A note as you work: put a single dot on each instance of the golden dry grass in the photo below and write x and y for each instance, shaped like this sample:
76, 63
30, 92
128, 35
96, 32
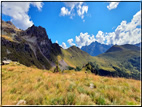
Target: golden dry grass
41, 87
8, 38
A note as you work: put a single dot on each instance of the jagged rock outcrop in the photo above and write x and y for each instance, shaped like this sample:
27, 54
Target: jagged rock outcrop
32, 45
38, 37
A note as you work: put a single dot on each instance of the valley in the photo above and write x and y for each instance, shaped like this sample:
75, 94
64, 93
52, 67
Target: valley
43, 73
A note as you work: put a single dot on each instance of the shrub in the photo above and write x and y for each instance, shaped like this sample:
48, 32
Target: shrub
77, 69
57, 69
70, 68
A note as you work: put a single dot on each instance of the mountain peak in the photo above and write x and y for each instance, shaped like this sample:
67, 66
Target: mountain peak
95, 48
9, 22
73, 47
37, 31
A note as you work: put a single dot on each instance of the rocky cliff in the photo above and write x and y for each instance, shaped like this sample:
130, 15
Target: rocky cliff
30, 47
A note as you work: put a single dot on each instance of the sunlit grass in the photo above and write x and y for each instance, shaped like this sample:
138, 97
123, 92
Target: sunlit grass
8, 38
41, 87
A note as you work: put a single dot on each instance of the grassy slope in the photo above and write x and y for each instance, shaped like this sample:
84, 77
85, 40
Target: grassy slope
42, 87
26, 58
127, 60
73, 56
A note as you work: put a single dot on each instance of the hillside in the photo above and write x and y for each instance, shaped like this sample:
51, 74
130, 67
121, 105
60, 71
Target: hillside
76, 57
42, 87
120, 61
27, 47
95, 48
32, 47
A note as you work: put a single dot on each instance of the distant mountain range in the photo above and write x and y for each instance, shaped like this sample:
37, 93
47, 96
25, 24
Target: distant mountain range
138, 44
123, 59
32, 47
95, 48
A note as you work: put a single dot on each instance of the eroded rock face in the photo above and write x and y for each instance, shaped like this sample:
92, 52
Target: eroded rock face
39, 37
34, 40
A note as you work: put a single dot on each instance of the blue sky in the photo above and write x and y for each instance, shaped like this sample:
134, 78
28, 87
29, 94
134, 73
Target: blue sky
80, 24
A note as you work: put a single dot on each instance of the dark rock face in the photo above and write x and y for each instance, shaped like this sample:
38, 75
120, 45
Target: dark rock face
39, 32
9, 30
17, 46
33, 42
48, 49
9, 22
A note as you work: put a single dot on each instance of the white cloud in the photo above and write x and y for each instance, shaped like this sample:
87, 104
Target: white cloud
71, 4
18, 11
70, 42
38, 5
100, 37
64, 11
64, 45
84, 39
126, 32
112, 5
80, 8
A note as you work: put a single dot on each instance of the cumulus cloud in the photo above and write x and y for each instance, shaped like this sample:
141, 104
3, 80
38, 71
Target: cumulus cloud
71, 4
70, 8
18, 11
112, 5
64, 11
84, 39
125, 33
64, 46
38, 5
81, 10
129, 33
70, 42
100, 37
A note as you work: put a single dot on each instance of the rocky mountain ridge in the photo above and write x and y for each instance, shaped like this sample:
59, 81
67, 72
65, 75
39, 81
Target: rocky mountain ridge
43, 53
35, 38
95, 48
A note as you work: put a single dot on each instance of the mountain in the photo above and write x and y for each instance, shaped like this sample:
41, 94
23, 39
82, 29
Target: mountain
120, 60
32, 47
95, 48
123, 48
138, 44
29, 47
76, 57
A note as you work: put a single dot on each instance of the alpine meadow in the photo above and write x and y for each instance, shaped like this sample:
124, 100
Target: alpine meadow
71, 53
